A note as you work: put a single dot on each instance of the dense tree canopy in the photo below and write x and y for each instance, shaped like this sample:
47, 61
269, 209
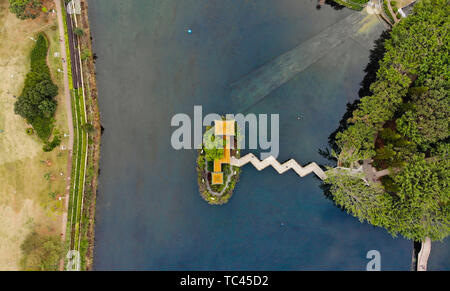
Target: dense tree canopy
426, 120
36, 103
417, 54
403, 125
369, 204
423, 200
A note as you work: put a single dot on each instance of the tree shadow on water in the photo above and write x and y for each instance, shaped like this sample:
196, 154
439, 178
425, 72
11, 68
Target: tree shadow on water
331, 3
376, 54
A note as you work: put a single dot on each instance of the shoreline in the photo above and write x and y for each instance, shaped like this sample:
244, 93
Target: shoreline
86, 123
216, 194
103, 245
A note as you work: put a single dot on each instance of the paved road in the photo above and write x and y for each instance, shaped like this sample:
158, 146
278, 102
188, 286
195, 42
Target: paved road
74, 53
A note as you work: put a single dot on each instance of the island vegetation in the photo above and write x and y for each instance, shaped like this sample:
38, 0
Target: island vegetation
212, 149
402, 129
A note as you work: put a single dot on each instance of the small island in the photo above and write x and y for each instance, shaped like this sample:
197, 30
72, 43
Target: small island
216, 177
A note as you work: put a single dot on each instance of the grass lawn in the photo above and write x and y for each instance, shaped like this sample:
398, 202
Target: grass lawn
31, 181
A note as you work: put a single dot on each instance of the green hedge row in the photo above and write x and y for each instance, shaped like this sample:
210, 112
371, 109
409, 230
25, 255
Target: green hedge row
387, 12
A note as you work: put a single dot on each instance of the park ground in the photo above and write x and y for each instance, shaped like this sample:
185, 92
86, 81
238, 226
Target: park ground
31, 180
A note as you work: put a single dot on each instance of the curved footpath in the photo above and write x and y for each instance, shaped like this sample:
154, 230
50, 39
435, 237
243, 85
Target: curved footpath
69, 120
208, 186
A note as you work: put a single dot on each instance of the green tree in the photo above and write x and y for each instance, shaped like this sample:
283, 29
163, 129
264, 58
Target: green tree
403, 125
78, 31
367, 203
25, 108
212, 145
47, 89
41, 252
356, 143
428, 120
86, 54
24, 9
48, 107
87, 127
36, 103
416, 53
43, 127
423, 207
49, 146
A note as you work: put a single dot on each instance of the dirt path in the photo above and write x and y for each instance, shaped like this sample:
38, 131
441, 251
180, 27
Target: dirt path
69, 120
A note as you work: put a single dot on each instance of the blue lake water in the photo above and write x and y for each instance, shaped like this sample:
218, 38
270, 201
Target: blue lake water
149, 213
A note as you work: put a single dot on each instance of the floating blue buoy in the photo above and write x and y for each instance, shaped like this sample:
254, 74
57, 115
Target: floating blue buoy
189, 31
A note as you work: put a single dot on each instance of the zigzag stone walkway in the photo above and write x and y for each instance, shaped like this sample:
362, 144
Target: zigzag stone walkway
365, 171
280, 168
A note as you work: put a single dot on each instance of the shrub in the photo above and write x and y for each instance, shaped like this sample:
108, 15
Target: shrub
49, 146
78, 31
24, 9
43, 127
87, 127
39, 52
41, 252
86, 54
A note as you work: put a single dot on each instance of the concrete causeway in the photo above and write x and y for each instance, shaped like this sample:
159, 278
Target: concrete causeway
280, 168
